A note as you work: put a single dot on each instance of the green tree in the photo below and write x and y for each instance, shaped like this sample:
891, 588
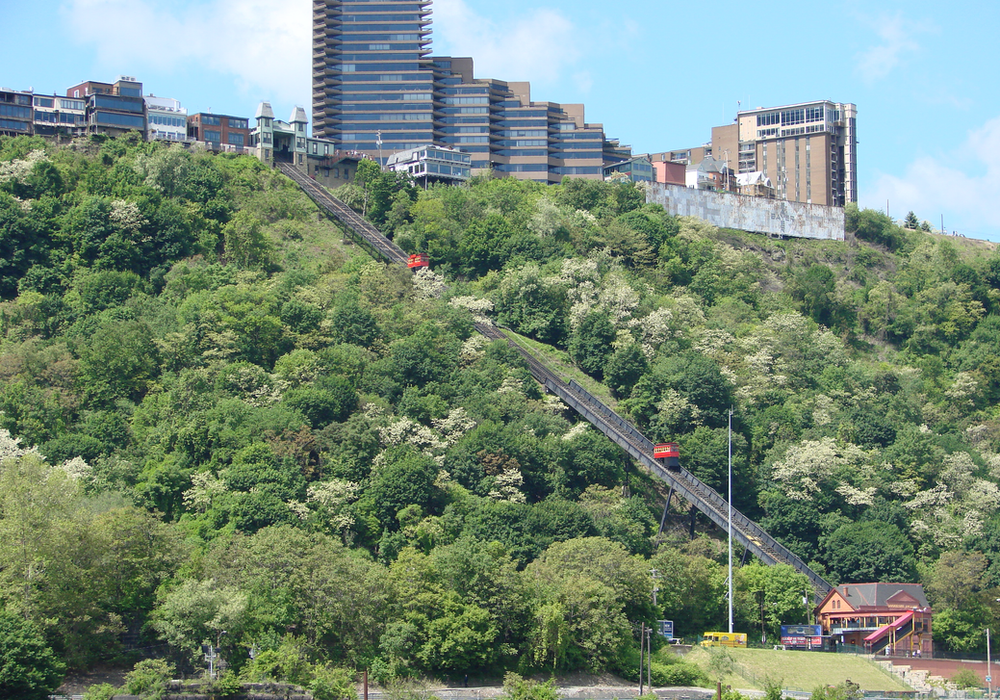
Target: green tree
769, 596
590, 343
245, 242
868, 552
29, 668
624, 368
196, 613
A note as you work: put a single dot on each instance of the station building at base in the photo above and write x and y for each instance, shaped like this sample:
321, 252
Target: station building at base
881, 618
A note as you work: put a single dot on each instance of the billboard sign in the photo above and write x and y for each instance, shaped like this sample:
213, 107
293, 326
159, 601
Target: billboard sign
667, 628
802, 635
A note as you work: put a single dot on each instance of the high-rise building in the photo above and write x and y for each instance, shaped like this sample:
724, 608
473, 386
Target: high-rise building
808, 151
377, 89
372, 74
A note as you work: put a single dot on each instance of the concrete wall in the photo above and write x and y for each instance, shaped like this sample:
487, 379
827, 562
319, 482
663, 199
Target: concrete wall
771, 216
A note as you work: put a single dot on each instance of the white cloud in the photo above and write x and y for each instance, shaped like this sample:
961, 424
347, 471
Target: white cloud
541, 46
897, 40
964, 185
265, 46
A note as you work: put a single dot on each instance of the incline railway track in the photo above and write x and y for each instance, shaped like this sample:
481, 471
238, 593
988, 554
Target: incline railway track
624, 434
366, 234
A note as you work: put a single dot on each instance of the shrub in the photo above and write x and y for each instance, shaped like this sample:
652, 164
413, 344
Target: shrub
966, 678
101, 691
149, 679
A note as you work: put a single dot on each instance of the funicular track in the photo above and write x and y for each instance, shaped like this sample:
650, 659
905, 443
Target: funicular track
363, 232
623, 433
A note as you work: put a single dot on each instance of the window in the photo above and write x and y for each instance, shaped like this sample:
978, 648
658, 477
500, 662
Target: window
213, 135
15, 111
13, 125
108, 102
210, 120
237, 140
126, 120
44, 102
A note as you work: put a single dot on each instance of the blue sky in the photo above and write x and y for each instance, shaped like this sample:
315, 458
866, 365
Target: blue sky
657, 74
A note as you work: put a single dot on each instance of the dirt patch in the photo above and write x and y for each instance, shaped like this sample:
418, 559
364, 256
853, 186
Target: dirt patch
77, 682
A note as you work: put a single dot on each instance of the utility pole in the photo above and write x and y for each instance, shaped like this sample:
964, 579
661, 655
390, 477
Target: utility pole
730, 499
642, 649
212, 654
649, 659
989, 676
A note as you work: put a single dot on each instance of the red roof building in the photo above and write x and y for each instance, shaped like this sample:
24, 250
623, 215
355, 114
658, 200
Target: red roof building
889, 618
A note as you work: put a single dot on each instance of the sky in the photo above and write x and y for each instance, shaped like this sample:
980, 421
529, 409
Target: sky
658, 74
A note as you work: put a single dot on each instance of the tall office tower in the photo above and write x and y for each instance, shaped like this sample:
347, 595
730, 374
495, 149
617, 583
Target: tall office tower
372, 74
808, 151
377, 90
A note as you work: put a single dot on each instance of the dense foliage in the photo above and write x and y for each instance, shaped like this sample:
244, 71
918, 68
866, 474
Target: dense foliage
221, 424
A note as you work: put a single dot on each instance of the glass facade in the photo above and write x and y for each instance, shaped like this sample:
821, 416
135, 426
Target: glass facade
377, 89
372, 74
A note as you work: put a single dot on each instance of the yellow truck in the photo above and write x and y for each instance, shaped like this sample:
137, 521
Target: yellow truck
724, 639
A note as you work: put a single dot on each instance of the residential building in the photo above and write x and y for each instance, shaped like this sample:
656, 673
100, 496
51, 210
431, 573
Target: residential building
378, 90
55, 115
220, 132
430, 163
894, 618
808, 150
710, 174
166, 119
637, 169
666, 171
112, 108
15, 112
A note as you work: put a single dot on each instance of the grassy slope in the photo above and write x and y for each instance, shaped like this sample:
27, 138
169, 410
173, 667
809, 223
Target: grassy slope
792, 670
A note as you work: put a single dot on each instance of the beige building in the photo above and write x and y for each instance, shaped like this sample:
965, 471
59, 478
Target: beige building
807, 151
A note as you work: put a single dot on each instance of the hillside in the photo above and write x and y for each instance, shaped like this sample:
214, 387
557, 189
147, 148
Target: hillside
753, 669
234, 426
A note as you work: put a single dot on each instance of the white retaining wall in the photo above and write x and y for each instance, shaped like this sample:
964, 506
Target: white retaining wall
757, 214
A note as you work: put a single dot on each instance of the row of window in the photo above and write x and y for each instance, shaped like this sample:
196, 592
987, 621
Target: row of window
59, 117
352, 19
127, 120
11, 125
354, 36
162, 120
377, 67
16, 111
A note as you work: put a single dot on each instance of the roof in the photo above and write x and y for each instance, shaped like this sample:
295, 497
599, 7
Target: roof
883, 595
298, 115
264, 110
754, 178
709, 165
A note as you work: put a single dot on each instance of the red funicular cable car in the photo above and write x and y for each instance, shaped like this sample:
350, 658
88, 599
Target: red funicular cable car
670, 453
418, 260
